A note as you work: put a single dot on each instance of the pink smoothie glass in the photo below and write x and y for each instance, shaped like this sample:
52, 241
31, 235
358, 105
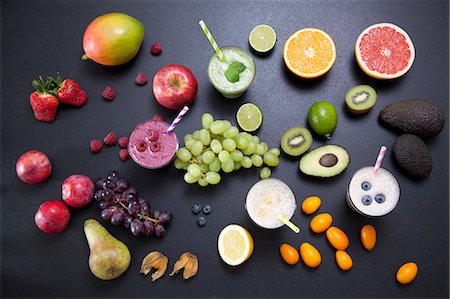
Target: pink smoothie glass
150, 146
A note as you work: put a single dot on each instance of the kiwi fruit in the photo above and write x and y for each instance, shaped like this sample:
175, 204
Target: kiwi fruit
295, 141
360, 99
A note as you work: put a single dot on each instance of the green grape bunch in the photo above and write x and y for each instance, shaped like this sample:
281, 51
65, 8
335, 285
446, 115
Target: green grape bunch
219, 146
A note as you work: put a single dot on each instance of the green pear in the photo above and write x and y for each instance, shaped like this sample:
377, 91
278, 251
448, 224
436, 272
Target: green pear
109, 258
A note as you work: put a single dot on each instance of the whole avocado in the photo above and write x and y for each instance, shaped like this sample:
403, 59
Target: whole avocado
418, 117
413, 155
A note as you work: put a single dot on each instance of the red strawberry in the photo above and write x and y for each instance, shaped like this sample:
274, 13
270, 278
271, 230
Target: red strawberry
43, 103
69, 92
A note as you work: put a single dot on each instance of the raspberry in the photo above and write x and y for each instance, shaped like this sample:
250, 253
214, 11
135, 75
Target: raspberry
109, 93
123, 141
159, 117
141, 79
96, 145
124, 154
153, 136
155, 147
141, 146
110, 139
156, 49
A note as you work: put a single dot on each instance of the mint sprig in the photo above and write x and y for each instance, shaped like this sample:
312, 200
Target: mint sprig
233, 71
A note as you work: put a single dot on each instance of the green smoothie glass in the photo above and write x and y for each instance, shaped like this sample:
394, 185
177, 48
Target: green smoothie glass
217, 69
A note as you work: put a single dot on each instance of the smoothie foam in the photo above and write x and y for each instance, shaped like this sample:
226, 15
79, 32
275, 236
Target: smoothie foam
383, 183
267, 200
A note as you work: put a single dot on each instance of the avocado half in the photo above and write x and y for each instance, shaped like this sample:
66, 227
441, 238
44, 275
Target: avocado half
325, 161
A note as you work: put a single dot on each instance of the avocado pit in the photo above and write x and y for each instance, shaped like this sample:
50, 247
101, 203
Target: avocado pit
328, 160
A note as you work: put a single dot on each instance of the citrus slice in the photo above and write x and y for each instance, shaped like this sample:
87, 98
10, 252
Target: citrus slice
235, 244
384, 51
249, 117
309, 53
262, 38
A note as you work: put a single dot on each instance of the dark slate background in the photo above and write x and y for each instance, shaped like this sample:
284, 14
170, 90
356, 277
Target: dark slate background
42, 37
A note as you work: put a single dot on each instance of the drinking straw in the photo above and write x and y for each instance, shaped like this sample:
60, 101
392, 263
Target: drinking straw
177, 119
379, 159
211, 40
289, 224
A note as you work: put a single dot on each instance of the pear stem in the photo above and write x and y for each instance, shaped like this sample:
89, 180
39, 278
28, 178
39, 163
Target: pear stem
85, 57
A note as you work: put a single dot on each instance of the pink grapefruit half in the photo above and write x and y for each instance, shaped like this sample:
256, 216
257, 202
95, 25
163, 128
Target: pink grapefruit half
384, 51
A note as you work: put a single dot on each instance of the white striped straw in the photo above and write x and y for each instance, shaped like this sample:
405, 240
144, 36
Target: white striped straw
289, 224
177, 120
379, 159
211, 40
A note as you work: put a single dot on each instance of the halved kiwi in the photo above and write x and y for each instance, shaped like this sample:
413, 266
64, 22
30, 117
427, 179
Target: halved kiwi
295, 141
360, 99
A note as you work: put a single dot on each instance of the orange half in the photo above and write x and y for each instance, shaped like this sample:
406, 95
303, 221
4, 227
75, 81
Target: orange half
309, 53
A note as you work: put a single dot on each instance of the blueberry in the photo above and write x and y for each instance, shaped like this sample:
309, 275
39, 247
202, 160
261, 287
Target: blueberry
366, 186
379, 198
206, 209
196, 208
201, 221
366, 200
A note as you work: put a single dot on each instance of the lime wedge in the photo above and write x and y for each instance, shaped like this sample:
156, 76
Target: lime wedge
249, 117
262, 38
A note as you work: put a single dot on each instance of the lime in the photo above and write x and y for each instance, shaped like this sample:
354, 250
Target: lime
249, 117
323, 118
262, 38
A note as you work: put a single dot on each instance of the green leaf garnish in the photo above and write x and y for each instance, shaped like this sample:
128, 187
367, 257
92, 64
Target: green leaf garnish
233, 70
238, 66
232, 75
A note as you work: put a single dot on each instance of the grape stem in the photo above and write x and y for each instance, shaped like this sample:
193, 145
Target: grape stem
140, 216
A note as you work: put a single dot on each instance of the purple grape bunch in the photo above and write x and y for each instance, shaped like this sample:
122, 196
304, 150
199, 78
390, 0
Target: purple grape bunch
121, 205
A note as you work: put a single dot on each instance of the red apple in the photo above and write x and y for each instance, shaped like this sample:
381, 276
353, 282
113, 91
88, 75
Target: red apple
33, 167
52, 216
77, 190
174, 86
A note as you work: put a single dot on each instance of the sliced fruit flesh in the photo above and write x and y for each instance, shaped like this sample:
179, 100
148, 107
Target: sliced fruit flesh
360, 97
235, 244
296, 141
385, 50
262, 38
235, 248
325, 161
310, 52
249, 117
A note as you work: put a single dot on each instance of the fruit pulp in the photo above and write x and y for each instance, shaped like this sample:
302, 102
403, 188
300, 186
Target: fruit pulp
309, 53
267, 200
365, 183
235, 244
384, 51
217, 68
150, 146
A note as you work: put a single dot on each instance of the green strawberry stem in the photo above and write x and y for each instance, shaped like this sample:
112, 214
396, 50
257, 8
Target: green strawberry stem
42, 86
